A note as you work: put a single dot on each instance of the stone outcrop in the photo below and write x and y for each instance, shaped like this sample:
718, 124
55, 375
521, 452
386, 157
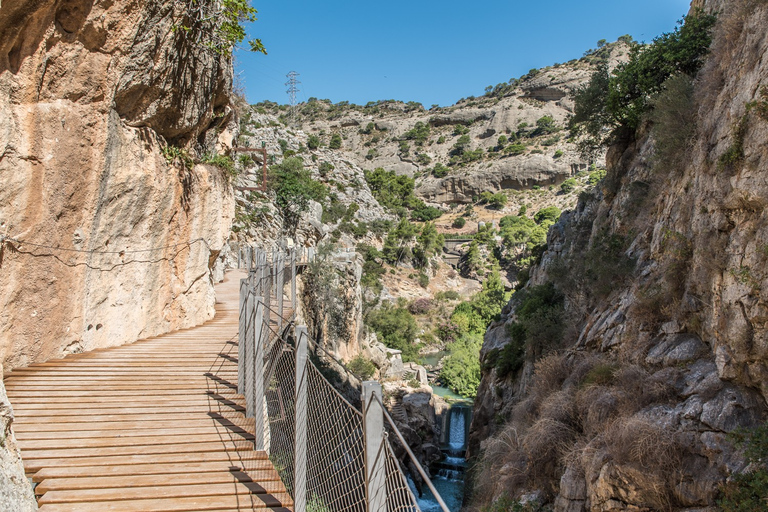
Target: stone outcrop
15, 492
108, 242
686, 324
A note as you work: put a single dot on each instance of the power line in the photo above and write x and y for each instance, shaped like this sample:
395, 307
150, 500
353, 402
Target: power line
293, 88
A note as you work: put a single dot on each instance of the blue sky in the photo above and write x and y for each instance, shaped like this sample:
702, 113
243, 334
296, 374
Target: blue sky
428, 51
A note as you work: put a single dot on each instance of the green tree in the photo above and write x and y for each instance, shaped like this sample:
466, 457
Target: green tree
294, 188
396, 328
611, 106
428, 243
461, 368
397, 244
549, 215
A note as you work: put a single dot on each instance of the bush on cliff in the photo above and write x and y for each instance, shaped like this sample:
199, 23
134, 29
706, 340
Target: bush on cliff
612, 105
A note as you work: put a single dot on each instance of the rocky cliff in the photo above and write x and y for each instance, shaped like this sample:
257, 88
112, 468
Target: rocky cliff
107, 241
660, 280
511, 138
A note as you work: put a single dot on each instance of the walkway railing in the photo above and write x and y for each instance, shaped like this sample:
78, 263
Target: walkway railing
330, 455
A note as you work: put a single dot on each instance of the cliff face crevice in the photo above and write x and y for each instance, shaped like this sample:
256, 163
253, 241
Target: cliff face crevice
665, 336
112, 240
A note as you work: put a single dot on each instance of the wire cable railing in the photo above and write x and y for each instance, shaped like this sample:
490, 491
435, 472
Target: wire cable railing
330, 455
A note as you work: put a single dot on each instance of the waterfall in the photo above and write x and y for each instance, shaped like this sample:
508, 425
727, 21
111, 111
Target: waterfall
456, 430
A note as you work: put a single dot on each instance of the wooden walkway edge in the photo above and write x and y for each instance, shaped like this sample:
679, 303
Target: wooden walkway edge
155, 426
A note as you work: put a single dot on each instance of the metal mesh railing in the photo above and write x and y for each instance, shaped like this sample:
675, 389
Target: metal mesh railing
330, 456
335, 447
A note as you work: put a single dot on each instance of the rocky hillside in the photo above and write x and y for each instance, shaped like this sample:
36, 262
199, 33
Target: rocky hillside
643, 327
510, 138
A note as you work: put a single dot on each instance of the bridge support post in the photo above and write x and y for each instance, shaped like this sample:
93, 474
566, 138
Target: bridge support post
373, 431
300, 443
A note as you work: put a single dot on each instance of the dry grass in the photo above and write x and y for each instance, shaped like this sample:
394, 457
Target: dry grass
640, 441
566, 421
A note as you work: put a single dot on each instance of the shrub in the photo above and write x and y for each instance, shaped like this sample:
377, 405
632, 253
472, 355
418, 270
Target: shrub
362, 367
460, 129
539, 326
313, 142
746, 492
440, 171
421, 306
619, 100
568, 186
461, 368
596, 176
515, 149
459, 222
550, 214
558, 153
426, 213
397, 329
674, 125
335, 142
423, 280
419, 133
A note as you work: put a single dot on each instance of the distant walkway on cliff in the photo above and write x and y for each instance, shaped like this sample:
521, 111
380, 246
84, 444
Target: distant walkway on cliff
157, 425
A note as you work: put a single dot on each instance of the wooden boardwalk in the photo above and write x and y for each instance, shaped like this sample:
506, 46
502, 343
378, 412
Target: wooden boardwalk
149, 427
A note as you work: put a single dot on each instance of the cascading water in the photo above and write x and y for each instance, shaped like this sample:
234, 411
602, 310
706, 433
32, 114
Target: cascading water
456, 438
449, 472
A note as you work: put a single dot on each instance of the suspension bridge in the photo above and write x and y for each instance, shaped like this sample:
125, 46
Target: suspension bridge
233, 415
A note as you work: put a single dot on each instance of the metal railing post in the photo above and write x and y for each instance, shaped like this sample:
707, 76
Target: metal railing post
300, 442
255, 406
242, 322
247, 353
267, 283
373, 430
293, 281
279, 291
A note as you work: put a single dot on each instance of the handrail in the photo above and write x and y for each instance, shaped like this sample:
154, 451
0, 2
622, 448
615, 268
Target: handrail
329, 454
415, 461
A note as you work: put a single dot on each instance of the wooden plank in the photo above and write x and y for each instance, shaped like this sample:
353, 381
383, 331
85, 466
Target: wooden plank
91, 442
208, 503
121, 434
144, 423
259, 462
105, 451
133, 480
262, 489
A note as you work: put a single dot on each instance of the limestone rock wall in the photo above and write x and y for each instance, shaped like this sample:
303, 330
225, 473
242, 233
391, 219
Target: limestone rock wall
108, 242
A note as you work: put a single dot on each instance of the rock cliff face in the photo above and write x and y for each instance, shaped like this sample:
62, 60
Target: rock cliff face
107, 241
664, 350
15, 492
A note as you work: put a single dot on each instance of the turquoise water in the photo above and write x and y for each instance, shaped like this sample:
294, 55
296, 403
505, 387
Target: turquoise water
433, 359
448, 394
